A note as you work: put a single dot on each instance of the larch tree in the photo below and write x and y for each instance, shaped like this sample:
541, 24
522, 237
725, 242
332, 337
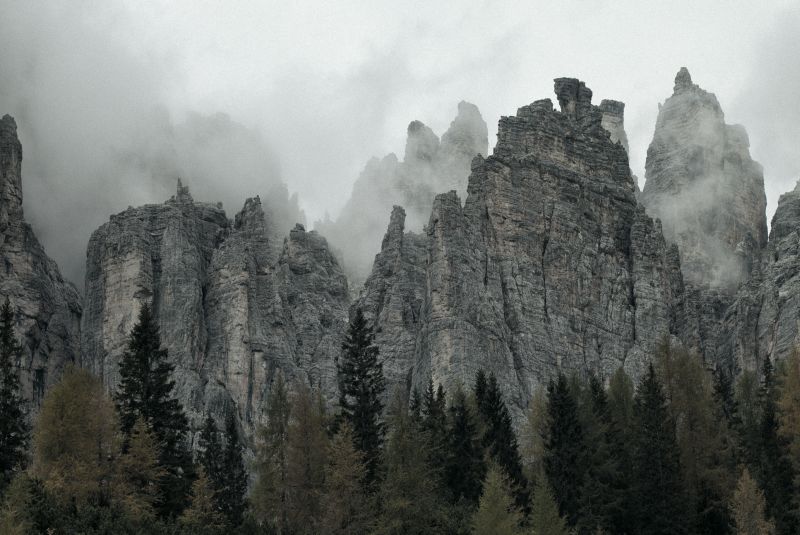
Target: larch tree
545, 519
76, 440
137, 475
747, 508
497, 513
345, 505
269, 496
307, 451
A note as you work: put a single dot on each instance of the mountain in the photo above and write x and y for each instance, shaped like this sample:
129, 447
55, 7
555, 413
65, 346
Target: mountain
235, 305
550, 264
47, 308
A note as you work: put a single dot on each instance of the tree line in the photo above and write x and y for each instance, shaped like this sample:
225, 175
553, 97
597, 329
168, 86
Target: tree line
683, 451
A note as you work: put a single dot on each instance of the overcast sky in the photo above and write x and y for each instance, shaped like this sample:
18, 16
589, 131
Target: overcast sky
323, 86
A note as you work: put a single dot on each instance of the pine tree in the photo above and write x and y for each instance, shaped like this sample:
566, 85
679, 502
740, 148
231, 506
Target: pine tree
361, 389
499, 437
137, 476
412, 501
776, 471
14, 429
270, 491
545, 519
307, 445
345, 509
747, 508
498, 513
146, 390
231, 493
564, 462
202, 517
658, 502
465, 467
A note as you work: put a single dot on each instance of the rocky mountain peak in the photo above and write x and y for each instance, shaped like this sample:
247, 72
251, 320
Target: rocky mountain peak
574, 98
706, 189
613, 120
683, 81
10, 172
468, 134
421, 144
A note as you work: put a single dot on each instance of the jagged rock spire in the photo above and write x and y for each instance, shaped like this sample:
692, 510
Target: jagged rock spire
10, 172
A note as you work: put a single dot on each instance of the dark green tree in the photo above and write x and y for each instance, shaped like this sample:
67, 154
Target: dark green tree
465, 467
146, 390
565, 449
434, 430
657, 493
14, 428
499, 438
211, 454
231, 493
361, 389
603, 494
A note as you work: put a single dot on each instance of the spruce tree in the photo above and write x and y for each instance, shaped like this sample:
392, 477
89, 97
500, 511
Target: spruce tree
657, 498
361, 389
499, 438
14, 429
231, 494
565, 462
434, 430
465, 467
211, 454
603, 494
146, 390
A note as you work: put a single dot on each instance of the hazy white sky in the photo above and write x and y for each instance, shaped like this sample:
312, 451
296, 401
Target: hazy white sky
330, 84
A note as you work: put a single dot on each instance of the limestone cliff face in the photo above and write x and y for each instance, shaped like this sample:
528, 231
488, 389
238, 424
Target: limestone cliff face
47, 308
234, 307
429, 166
705, 188
763, 320
550, 264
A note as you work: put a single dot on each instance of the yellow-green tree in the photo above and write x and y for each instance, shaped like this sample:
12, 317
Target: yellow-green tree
307, 450
76, 439
138, 475
533, 434
202, 517
747, 508
345, 508
497, 512
789, 407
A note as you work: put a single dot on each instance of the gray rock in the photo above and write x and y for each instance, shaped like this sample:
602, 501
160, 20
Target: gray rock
762, 322
549, 266
47, 308
705, 188
233, 305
